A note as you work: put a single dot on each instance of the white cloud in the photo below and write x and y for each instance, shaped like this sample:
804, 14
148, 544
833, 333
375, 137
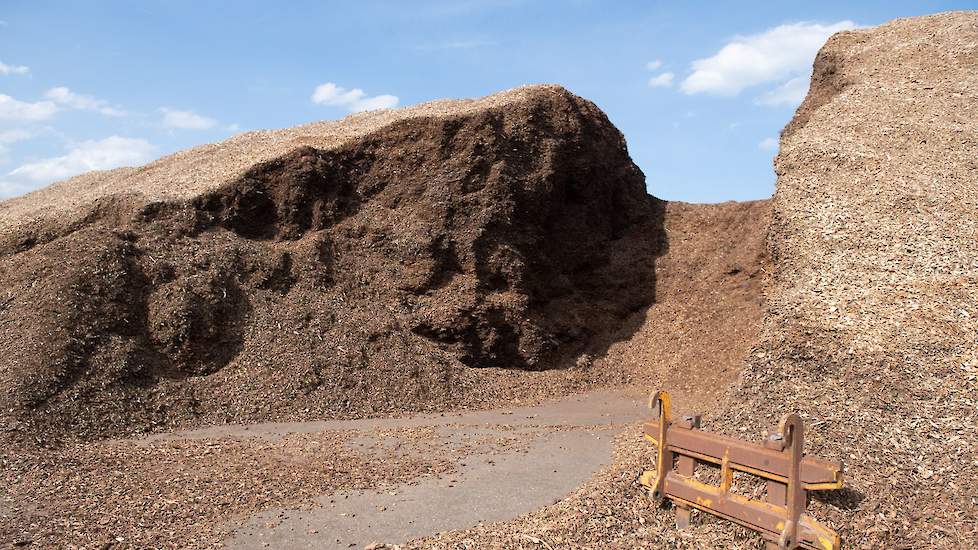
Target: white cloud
790, 93
385, 101
54, 100
13, 109
768, 144
11, 136
63, 96
775, 55
186, 120
111, 152
355, 100
15, 135
663, 80
9, 188
13, 69
653, 65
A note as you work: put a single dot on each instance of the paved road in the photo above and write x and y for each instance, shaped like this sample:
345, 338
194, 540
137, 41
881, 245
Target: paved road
566, 442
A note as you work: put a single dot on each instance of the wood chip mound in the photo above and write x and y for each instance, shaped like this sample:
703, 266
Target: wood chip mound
360, 267
872, 324
449, 255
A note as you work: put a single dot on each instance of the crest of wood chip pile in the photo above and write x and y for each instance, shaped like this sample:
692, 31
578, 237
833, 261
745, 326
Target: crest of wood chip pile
187, 174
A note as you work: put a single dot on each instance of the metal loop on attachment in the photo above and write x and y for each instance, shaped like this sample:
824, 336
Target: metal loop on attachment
663, 461
793, 434
661, 402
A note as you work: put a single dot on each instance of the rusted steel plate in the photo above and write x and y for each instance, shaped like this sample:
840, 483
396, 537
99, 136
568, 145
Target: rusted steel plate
816, 474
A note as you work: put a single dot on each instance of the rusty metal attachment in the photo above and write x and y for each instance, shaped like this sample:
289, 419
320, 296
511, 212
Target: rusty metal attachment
781, 518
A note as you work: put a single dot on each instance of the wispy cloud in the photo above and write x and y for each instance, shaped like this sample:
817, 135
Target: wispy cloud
64, 96
17, 134
186, 120
663, 80
790, 93
778, 55
14, 109
354, 100
54, 100
768, 144
111, 152
13, 69
12, 188
7, 137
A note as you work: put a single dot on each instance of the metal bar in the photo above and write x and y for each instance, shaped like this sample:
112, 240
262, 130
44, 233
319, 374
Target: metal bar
686, 466
664, 454
747, 457
777, 493
781, 520
793, 433
756, 515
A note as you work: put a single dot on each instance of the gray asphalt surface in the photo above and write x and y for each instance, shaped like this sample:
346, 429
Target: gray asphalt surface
569, 440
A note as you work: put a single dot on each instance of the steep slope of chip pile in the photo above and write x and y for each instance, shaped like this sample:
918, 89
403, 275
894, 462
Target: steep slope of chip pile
872, 324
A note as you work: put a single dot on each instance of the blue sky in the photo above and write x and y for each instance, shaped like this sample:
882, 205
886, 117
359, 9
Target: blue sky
699, 89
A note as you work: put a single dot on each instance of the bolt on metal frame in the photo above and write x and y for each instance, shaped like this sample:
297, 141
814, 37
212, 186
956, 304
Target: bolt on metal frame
781, 519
